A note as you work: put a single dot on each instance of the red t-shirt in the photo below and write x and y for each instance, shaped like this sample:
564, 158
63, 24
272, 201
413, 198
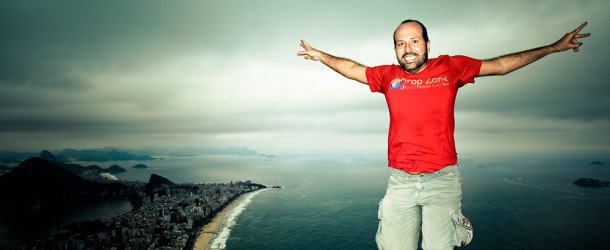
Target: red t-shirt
421, 110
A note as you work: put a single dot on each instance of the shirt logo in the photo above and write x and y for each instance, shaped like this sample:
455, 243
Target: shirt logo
395, 84
423, 83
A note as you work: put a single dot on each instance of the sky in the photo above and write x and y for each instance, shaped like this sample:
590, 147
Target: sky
217, 73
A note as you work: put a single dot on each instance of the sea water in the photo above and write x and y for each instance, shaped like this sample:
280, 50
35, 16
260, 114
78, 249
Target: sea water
220, 240
513, 202
331, 201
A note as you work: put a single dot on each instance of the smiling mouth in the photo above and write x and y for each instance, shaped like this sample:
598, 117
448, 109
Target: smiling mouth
409, 58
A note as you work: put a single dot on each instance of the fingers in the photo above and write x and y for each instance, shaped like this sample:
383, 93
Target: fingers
305, 45
575, 44
307, 52
575, 35
579, 28
304, 55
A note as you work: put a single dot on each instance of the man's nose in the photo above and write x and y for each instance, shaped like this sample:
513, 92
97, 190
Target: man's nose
408, 48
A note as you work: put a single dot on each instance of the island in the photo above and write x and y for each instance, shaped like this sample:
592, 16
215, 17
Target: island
597, 163
140, 166
590, 182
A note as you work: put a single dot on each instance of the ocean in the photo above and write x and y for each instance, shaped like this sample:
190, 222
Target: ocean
330, 201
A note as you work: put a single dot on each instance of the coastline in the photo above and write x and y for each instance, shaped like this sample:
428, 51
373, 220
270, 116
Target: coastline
209, 230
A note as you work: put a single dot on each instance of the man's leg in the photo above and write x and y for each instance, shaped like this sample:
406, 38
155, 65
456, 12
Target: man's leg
441, 211
399, 214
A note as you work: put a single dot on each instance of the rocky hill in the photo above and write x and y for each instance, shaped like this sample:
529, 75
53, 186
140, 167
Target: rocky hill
37, 185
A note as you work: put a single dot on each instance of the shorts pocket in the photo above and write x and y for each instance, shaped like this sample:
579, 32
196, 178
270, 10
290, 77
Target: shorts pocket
463, 229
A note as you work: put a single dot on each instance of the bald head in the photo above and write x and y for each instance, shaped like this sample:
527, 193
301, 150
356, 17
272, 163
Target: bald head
424, 31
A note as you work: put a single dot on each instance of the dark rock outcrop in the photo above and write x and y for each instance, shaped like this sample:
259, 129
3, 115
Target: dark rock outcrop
597, 163
140, 166
114, 169
158, 184
37, 185
156, 181
47, 155
590, 182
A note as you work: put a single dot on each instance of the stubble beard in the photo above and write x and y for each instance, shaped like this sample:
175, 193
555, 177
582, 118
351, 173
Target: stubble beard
416, 66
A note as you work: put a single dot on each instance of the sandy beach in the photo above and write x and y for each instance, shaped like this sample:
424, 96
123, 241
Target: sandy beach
207, 233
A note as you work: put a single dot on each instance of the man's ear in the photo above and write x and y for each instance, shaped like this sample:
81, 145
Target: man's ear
428, 45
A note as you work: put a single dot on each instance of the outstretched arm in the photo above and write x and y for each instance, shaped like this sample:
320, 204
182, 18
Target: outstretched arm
508, 63
343, 66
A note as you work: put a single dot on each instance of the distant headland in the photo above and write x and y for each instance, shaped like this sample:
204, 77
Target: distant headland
124, 154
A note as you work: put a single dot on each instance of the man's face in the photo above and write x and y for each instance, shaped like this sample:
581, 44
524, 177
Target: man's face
411, 49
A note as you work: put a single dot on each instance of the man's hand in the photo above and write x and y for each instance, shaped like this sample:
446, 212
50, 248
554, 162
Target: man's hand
508, 63
570, 40
309, 53
343, 66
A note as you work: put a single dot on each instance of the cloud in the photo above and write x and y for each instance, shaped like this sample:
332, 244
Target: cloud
218, 73
505, 133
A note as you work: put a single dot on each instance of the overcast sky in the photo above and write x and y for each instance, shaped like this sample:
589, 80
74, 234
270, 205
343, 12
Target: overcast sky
217, 73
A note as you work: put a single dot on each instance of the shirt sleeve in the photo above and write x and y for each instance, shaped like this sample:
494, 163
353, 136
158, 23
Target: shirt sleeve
374, 77
466, 68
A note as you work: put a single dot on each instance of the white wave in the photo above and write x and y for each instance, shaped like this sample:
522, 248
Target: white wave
220, 240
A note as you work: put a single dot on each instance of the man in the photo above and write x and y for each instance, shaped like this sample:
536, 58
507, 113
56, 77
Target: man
424, 189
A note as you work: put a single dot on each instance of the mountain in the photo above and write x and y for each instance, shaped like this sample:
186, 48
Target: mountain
37, 185
36, 175
215, 151
105, 154
191, 151
13, 157
140, 166
114, 169
77, 168
156, 181
123, 154
158, 184
45, 154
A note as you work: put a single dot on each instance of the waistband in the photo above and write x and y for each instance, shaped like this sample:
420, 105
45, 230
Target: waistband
443, 171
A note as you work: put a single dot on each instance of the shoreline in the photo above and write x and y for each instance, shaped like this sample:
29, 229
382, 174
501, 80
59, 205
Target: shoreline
208, 231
